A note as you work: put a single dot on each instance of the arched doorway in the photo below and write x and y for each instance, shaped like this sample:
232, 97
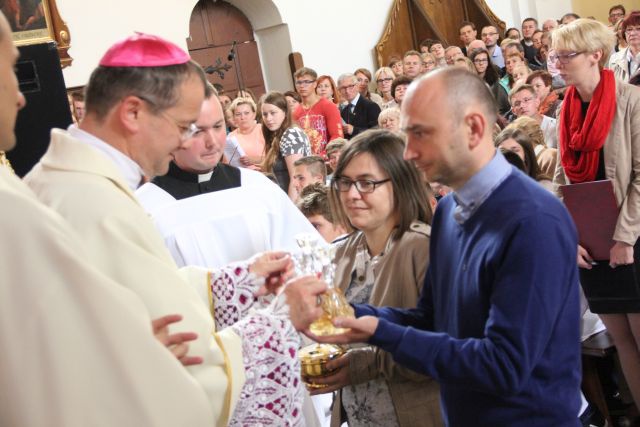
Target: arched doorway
217, 27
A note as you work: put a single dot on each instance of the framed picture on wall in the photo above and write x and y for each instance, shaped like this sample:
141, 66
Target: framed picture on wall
37, 21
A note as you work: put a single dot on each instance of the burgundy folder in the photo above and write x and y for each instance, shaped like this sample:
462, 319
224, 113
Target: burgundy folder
594, 210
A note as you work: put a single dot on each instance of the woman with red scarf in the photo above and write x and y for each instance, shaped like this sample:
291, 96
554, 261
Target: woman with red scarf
599, 139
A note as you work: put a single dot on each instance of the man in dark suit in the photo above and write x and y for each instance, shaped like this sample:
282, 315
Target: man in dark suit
359, 114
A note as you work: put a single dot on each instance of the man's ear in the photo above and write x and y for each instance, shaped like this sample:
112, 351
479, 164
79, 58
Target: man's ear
475, 126
130, 112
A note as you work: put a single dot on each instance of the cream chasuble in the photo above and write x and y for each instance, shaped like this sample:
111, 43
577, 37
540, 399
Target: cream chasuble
86, 188
77, 348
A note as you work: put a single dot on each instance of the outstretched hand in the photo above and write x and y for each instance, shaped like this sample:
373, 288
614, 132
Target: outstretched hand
360, 330
302, 296
176, 343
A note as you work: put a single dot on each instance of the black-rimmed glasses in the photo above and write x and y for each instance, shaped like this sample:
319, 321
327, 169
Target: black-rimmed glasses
362, 185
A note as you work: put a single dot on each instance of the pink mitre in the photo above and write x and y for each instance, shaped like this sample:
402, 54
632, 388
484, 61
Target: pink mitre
144, 50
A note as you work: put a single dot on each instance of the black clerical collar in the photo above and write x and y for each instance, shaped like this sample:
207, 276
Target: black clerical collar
181, 174
182, 184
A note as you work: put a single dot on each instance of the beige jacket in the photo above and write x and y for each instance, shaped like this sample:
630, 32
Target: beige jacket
621, 162
88, 190
546, 158
619, 65
399, 277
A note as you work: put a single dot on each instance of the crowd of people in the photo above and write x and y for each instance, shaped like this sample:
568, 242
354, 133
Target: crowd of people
438, 178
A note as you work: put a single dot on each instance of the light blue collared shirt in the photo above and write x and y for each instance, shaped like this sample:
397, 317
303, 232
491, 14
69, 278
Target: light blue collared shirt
497, 58
478, 189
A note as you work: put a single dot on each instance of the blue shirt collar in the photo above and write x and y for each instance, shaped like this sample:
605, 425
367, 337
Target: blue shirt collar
478, 189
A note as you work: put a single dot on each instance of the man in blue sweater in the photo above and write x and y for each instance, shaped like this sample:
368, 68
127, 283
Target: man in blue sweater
498, 322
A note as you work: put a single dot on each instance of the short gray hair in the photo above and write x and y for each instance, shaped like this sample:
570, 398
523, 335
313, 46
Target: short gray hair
345, 76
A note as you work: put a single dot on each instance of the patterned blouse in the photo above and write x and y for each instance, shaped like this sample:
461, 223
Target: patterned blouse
368, 404
293, 141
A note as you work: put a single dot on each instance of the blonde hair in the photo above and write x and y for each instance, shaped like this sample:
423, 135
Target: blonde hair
424, 56
385, 70
585, 35
242, 101
388, 112
531, 128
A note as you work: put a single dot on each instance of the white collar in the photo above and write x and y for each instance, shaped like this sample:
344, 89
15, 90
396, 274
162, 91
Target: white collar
204, 177
131, 171
630, 56
355, 100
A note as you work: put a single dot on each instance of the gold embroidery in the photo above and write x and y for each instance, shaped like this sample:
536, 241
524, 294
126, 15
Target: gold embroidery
5, 162
226, 410
227, 364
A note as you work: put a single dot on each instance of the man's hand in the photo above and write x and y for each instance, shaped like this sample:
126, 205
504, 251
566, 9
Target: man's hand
348, 129
334, 380
620, 254
302, 297
176, 343
275, 267
584, 259
360, 330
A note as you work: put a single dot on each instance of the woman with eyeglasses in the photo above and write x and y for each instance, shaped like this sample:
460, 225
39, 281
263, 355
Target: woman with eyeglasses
384, 78
383, 201
626, 62
599, 138
429, 62
489, 73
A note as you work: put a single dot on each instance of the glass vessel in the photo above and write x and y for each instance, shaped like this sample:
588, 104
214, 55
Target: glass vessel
316, 258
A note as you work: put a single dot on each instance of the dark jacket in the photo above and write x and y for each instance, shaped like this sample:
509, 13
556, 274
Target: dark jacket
364, 116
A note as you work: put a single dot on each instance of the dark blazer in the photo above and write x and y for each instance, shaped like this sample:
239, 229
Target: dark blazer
365, 116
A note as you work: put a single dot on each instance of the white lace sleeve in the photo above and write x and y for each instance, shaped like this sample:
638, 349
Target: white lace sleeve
273, 392
232, 290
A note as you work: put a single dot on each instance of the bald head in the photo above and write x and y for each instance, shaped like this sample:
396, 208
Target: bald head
453, 141
475, 44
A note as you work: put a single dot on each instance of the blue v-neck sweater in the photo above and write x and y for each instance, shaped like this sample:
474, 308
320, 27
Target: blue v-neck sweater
498, 322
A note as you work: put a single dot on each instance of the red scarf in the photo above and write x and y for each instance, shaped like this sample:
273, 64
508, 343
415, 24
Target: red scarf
581, 138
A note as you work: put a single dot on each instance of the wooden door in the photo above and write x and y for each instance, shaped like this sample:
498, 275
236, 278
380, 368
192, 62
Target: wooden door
213, 28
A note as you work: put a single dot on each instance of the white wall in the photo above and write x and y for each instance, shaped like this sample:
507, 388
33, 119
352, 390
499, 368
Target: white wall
315, 29
281, 26
514, 11
319, 32
94, 26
